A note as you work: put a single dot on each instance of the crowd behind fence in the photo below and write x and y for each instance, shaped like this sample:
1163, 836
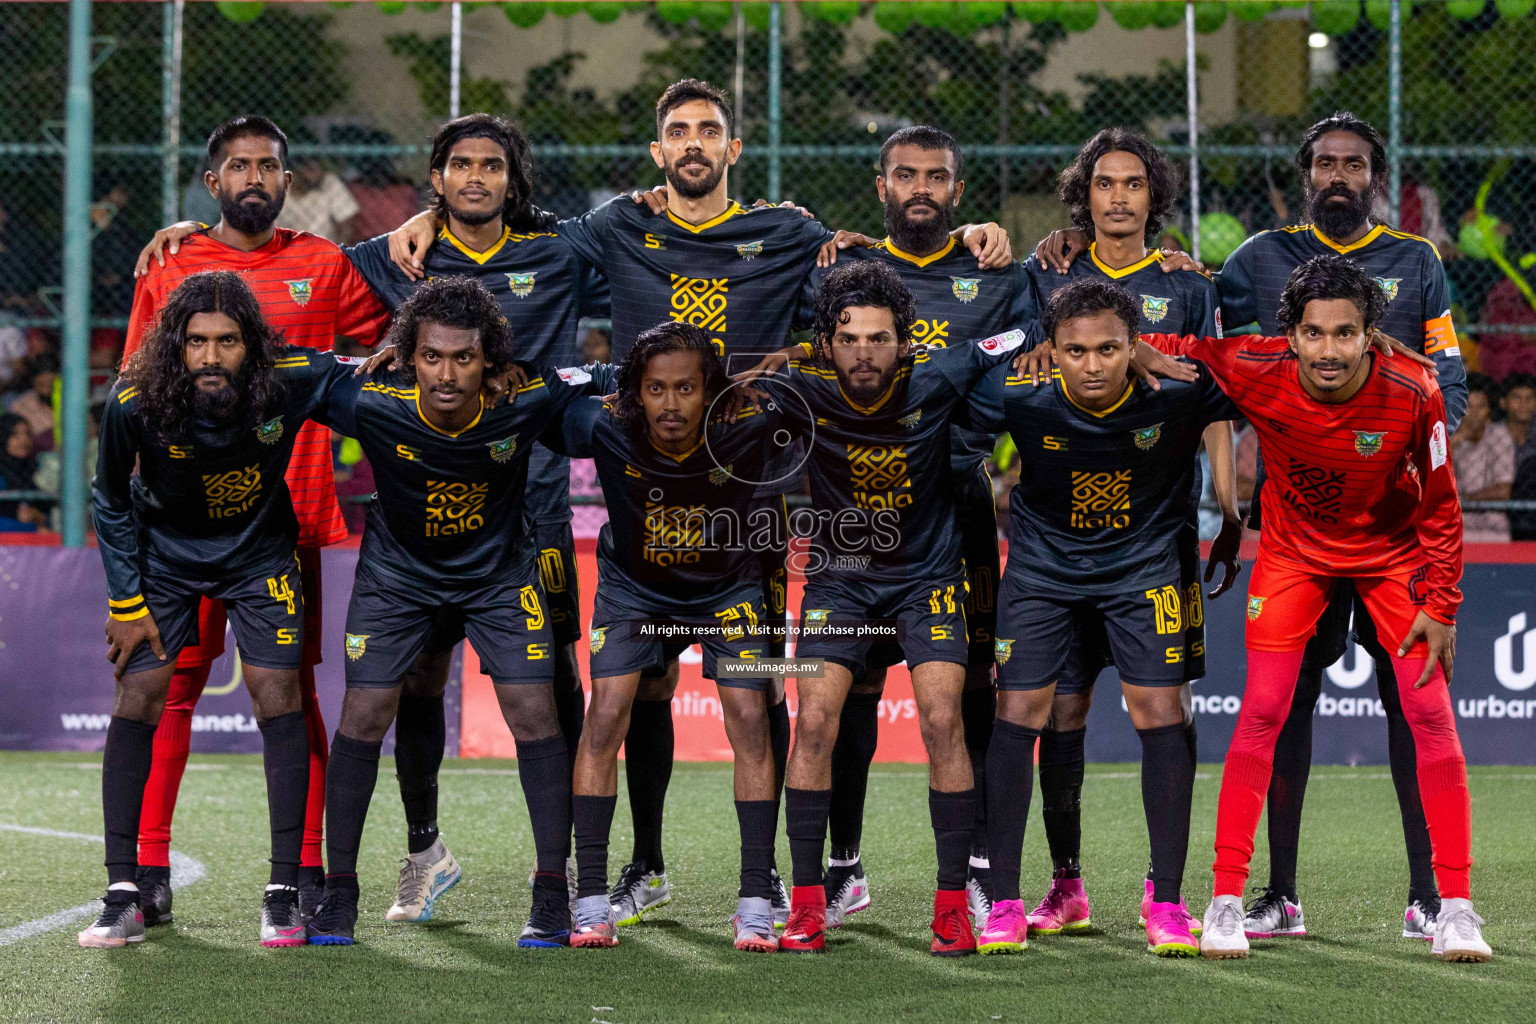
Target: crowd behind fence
360, 88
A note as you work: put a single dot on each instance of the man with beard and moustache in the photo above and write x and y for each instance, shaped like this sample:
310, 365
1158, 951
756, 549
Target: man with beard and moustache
885, 553
208, 411
1342, 165
310, 293
958, 298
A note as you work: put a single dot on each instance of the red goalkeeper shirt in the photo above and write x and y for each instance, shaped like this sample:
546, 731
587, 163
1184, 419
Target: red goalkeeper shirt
310, 292
1361, 488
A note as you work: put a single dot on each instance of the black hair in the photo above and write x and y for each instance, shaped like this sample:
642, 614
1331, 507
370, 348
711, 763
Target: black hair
1330, 277
159, 368
923, 137
686, 91
243, 127
454, 301
670, 336
1089, 297
1163, 179
1514, 380
43, 362
863, 283
1344, 121
518, 213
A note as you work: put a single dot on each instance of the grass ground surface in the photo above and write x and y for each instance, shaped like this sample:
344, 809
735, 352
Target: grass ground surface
679, 966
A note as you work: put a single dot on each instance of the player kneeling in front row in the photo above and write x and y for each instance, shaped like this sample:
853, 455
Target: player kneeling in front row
209, 408
678, 550
446, 534
1328, 409
1107, 466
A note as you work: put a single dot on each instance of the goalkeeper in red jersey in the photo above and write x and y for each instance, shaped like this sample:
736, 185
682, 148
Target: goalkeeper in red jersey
1360, 488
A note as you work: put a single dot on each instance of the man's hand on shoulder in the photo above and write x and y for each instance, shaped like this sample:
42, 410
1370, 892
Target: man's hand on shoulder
408, 244
989, 243
1058, 249
826, 256
155, 250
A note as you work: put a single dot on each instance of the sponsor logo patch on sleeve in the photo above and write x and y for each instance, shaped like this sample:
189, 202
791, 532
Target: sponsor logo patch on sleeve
1006, 342
1437, 447
573, 375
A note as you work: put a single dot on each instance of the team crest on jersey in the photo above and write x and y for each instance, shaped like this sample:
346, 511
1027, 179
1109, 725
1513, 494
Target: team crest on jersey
271, 431
503, 450
1368, 442
599, 636
814, 619
520, 284
1147, 437
750, 250
910, 419
301, 291
1389, 286
966, 288
357, 645
1255, 607
1153, 308
720, 474
1002, 650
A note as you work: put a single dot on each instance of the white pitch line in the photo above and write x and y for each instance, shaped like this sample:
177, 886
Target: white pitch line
184, 871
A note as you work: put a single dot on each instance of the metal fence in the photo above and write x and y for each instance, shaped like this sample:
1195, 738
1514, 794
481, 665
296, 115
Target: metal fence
1226, 87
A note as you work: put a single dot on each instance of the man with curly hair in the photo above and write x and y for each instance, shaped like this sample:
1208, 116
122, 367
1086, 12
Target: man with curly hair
208, 409
446, 540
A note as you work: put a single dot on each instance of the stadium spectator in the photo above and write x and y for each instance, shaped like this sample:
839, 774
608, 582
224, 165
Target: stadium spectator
1501, 353
18, 466
35, 404
1483, 455
318, 202
1519, 404
13, 352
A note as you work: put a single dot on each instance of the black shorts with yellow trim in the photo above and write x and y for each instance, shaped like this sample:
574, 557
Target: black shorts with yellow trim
390, 622
557, 573
773, 561
265, 609
928, 617
1089, 653
1142, 630
618, 647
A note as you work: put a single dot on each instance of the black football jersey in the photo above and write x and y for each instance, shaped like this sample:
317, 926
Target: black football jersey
210, 502
1101, 496
679, 527
450, 508
882, 503
956, 300
1407, 268
1183, 303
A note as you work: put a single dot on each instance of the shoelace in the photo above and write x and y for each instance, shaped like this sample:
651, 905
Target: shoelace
590, 915
1229, 918
1268, 901
630, 878
1054, 900
1007, 917
414, 873
1460, 923
802, 922
974, 887
760, 924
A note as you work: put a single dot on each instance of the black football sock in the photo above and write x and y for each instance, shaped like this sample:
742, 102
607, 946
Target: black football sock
953, 816
778, 741
350, 775
311, 876
1167, 787
1288, 783
758, 821
978, 709
285, 758
544, 771
570, 707
124, 771
648, 769
1061, 793
1403, 757
594, 823
805, 821
1010, 784
421, 732
858, 731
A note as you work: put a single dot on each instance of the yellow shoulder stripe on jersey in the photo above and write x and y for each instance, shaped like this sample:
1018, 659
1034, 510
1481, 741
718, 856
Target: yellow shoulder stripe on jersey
1155, 256
1412, 238
127, 602
730, 211
533, 385
1370, 236
1099, 414
478, 257
917, 261
129, 393
405, 394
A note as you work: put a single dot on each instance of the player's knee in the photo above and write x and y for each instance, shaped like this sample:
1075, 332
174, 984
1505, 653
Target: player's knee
659, 688
529, 710
943, 730
274, 692
366, 714
605, 726
139, 699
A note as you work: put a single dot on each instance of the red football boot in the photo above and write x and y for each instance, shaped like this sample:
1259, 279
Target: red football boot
952, 933
807, 928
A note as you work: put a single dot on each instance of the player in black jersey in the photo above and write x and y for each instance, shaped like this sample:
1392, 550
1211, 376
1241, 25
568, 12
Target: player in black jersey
446, 535
1107, 466
677, 550
884, 564
1121, 190
959, 297
1342, 166
208, 409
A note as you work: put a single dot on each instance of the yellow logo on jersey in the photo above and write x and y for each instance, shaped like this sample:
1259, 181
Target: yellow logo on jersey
673, 533
720, 474
231, 493
1153, 308
1255, 607
878, 475
1147, 437
1002, 650
301, 291
521, 285
599, 637
1389, 286
700, 301
1101, 500
930, 332
454, 508
910, 420
655, 241
749, 250
813, 619
502, 451
405, 451
357, 645
271, 431
966, 288
179, 451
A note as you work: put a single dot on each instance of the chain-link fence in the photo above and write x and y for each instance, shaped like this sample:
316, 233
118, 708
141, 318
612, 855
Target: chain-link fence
360, 87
